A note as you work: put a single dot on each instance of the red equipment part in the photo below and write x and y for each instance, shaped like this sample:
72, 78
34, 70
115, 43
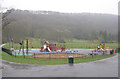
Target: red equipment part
63, 49
114, 51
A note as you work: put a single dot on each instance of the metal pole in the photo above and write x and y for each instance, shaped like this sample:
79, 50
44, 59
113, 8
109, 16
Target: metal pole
23, 49
92, 54
12, 42
27, 46
9, 43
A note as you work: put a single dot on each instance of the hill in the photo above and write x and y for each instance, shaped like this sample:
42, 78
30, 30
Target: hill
54, 25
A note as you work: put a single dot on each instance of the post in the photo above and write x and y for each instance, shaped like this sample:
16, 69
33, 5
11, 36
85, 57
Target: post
92, 54
15, 54
103, 53
34, 55
27, 46
23, 49
9, 43
12, 43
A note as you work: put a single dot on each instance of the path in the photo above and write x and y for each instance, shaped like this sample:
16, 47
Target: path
102, 68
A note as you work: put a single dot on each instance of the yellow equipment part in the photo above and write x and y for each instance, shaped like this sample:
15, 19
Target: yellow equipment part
43, 49
102, 49
100, 46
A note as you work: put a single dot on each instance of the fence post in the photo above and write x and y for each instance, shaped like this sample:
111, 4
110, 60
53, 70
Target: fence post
15, 54
12, 43
34, 55
27, 46
92, 54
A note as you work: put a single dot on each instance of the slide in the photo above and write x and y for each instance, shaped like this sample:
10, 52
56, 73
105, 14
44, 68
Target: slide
102, 49
48, 49
44, 48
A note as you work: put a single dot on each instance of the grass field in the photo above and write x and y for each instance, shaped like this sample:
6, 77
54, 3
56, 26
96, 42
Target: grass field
27, 60
83, 44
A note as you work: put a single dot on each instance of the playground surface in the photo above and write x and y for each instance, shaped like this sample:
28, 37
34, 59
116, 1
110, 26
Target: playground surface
102, 68
58, 55
73, 52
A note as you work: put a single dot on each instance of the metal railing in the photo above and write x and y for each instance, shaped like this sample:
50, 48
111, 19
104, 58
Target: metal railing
7, 51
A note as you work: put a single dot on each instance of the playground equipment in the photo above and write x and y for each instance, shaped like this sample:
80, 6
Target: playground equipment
101, 48
22, 50
11, 51
46, 47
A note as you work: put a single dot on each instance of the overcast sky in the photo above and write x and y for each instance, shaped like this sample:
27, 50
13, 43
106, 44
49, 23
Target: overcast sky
67, 6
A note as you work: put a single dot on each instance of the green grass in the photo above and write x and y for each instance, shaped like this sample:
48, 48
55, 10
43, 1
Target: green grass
27, 60
83, 44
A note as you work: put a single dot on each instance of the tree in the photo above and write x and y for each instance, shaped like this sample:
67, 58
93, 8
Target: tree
5, 20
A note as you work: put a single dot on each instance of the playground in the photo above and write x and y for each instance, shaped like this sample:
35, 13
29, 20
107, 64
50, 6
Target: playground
54, 52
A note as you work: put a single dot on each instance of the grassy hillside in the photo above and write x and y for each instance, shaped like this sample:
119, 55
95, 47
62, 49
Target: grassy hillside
59, 26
